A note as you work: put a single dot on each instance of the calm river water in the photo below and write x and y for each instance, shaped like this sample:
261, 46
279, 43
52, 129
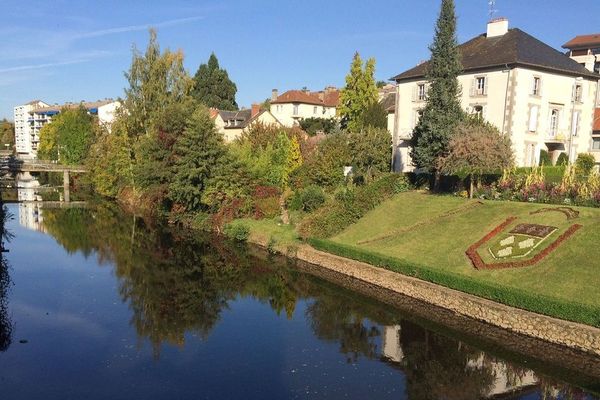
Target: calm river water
102, 306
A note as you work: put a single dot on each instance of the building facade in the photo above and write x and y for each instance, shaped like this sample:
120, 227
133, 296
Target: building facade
30, 118
535, 94
295, 105
26, 140
231, 124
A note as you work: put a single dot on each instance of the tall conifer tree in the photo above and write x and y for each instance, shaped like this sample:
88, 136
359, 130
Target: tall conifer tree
359, 93
212, 86
442, 110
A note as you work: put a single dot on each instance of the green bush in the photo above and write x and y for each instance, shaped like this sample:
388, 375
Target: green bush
237, 231
527, 300
584, 164
562, 159
348, 206
308, 199
545, 158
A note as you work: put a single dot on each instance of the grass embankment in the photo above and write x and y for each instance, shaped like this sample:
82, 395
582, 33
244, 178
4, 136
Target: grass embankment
426, 236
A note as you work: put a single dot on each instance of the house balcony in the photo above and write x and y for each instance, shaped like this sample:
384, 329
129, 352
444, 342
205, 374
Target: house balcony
555, 137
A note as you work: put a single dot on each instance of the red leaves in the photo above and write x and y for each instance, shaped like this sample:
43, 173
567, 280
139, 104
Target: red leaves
480, 264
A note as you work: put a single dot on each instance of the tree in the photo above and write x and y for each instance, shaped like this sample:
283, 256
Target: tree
198, 152
68, 137
475, 149
442, 110
156, 81
371, 152
326, 165
313, 125
7, 133
374, 116
359, 93
212, 86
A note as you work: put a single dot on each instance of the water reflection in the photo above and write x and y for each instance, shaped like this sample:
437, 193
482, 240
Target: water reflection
177, 285
5, 322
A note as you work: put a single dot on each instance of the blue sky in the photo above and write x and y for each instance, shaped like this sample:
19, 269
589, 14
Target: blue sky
63, 50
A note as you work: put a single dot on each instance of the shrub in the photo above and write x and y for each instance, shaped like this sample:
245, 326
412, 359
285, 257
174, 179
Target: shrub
545, 158
562, 159
266, 202
585, 163
237, 231
349, 206
308, 199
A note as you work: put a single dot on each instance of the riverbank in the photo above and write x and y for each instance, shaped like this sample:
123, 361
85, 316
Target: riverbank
573, 335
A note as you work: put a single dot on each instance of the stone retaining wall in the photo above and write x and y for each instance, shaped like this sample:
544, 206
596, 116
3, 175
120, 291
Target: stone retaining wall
577, 336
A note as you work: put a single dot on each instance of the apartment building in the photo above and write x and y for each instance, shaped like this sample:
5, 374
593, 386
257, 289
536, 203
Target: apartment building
30, 118
537, 95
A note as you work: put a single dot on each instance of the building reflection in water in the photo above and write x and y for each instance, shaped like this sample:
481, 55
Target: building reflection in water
506, 380
30, 210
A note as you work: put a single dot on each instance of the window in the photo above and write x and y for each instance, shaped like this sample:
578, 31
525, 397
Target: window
596, 143
533, 118
480, 86
477, 111
421, 92
554, 115
577, 93
315, 110
296, 108
535, 89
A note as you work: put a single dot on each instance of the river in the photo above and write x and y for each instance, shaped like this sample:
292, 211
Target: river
101, 305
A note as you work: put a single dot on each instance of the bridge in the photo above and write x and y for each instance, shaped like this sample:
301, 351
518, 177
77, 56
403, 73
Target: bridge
14, 166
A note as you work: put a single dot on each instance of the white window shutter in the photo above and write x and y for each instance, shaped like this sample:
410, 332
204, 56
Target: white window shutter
575, 123
473, 87
533, 117
485, 85
415, 92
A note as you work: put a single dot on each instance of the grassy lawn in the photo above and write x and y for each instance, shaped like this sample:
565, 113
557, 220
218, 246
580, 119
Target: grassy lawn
435, 231
261, 231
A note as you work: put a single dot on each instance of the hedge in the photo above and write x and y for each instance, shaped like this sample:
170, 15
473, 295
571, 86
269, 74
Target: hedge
518, 298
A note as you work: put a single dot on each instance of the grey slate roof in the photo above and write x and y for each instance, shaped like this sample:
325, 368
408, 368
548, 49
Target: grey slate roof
515, 48
241, 115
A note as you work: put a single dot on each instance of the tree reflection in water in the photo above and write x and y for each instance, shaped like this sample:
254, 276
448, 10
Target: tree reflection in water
177, 283
5, 322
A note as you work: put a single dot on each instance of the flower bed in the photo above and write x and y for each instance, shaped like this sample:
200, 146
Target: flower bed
479, 263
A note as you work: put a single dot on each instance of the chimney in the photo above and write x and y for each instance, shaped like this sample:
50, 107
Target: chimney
255, 110
321, 95
274, 94
497, 27
305, 90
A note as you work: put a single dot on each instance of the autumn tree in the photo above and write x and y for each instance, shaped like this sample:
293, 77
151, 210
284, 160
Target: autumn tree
442, 111
212, 86
68, 137
476, 148
7, 133
359, 93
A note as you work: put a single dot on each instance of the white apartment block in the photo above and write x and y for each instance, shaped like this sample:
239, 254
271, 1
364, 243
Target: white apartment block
535, 94
30, 118
26, 140
293, 106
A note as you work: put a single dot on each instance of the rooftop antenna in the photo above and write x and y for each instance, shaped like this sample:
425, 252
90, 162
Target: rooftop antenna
492, 9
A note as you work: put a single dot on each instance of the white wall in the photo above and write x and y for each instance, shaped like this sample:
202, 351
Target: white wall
286, 115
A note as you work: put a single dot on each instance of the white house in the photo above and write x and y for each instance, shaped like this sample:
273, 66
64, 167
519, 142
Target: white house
295, 105
231, 124
30, 118
535, 94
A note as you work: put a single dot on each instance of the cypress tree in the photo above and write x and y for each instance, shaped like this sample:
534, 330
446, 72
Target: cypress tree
212, 86
442, 110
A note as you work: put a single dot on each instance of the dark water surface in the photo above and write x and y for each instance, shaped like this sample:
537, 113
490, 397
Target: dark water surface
101, 306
